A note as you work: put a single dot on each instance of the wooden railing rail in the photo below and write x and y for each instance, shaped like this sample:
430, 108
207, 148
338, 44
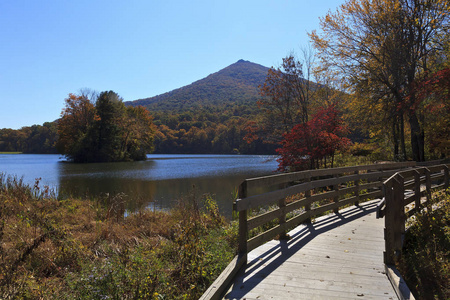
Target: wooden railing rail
405, 194
342, 186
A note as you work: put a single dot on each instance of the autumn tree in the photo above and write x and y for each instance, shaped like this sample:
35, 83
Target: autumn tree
380, 48
434, 92
313, 144
74, 128
106, 131
285, 100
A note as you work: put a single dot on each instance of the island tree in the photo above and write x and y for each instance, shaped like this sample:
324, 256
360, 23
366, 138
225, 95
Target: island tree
104, 131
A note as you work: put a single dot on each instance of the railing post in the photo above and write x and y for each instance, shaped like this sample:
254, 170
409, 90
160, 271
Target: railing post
428, 185
446, 177
308, 198
336, 198
394, 219
400, 208
388, 191
357, 188
417, 189
282, 218
242, 248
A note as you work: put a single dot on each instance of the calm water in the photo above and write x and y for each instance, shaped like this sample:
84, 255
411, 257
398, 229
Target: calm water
158, 182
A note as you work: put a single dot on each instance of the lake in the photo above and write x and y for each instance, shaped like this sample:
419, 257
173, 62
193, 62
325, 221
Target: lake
157, 183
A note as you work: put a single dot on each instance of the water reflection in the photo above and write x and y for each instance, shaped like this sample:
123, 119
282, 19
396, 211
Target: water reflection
158, 182
162, 180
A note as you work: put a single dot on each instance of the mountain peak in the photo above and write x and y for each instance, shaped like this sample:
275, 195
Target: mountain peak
239, 82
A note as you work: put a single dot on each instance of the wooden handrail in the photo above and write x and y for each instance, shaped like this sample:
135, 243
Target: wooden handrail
394, 202
343, 186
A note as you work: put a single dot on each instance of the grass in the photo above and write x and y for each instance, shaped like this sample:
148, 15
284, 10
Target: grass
82, 249
425, 262
10, 152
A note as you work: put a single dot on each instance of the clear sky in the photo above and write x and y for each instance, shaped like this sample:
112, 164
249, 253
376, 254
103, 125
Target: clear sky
139, 49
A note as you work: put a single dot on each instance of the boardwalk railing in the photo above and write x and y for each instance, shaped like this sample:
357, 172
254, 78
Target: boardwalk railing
307, 192
296, 198
405, 194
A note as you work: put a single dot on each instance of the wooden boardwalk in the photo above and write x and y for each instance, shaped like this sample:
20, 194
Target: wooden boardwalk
338, 256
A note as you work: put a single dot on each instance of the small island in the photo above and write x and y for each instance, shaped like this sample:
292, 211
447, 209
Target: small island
102, 129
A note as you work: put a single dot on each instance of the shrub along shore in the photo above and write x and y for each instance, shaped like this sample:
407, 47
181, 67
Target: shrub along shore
85, 249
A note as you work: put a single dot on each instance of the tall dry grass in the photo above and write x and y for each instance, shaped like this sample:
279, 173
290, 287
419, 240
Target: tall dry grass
84, 248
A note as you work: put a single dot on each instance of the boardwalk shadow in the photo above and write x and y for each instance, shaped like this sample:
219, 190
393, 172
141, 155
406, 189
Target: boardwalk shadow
302, 235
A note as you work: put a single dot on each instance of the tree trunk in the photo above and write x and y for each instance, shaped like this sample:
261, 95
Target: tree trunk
395, 136
417, 138
402, 137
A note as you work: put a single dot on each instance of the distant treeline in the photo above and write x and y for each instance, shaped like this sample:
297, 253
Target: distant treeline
213, 129
39, 139
202, 130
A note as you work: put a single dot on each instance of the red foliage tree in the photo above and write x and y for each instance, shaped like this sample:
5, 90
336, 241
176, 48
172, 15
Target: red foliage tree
433, 94
310, 144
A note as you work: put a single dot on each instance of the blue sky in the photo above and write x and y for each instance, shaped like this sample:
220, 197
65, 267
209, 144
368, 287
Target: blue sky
138, 49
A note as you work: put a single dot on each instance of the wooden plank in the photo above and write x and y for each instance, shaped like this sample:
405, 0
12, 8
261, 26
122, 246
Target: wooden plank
262, 219
334, 181
294, 221
322, 196
408, 199
290, 207
370, 185
277, 179
373, 195
271, 197
434, 169
376, 175
397, 281
265, 236
407, 174
438, 176
348, 190
410, 184
332, 206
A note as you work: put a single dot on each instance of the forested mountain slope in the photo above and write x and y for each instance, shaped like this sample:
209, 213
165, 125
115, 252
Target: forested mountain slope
237, 84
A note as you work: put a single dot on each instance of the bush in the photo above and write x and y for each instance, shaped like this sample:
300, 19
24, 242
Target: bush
425, 259
80, 249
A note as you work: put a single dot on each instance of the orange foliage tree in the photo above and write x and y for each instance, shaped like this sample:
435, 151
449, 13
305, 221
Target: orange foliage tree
380, 48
